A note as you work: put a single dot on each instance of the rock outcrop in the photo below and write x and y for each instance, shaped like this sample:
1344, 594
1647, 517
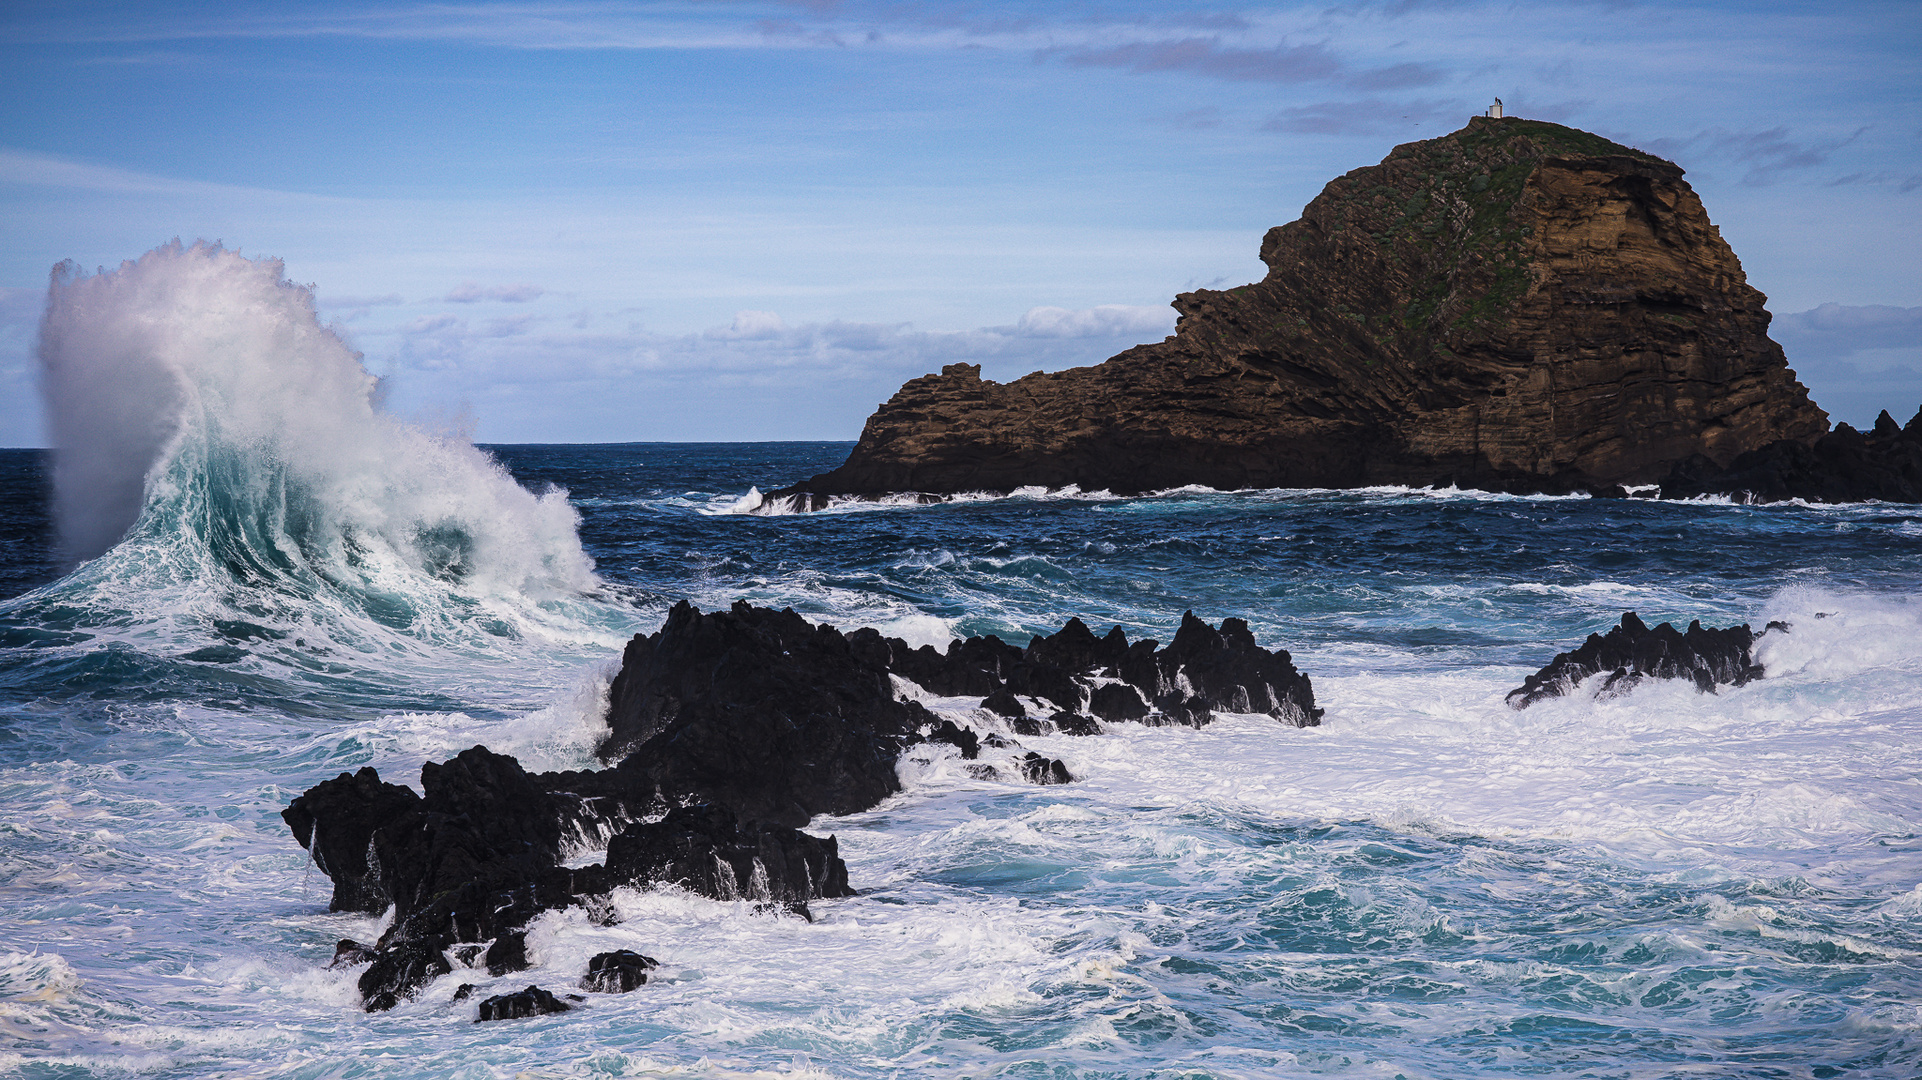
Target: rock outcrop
1845, 465
469, 864
617, 972
1518, 306
520, 1005
729, 730
1631, 652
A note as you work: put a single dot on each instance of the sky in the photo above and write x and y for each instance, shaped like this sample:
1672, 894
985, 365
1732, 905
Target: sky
708, 220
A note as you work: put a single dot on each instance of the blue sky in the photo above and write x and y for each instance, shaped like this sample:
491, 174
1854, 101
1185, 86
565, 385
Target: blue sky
714, 220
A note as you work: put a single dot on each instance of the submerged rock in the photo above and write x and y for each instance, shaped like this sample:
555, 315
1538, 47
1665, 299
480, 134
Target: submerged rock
1632, 652
521, 1004
617, 972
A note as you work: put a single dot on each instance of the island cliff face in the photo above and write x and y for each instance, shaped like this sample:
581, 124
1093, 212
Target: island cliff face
1515, 306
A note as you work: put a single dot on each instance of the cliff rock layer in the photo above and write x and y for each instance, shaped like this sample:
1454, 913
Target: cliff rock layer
1517, 305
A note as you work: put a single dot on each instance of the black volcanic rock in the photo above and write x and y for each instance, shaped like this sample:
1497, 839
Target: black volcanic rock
336, 821
962, 739
1845, 465
1044, 770
705, 850
521, 1004
1068, 723
738, 725
479, 856
1515, 306
617, 972
1632, 652
761, 710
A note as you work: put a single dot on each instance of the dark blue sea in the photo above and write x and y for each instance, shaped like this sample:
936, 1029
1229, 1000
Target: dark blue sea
288, 583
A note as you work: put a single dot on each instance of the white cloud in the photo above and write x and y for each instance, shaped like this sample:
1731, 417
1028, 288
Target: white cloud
1840, 330
469, 292
1105, 320
331, 301
749, 326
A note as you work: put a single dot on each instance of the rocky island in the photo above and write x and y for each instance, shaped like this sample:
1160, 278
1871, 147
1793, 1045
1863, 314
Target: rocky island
1515, 306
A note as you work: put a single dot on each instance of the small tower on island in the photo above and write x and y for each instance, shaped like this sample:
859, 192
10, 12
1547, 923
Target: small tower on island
1495, 110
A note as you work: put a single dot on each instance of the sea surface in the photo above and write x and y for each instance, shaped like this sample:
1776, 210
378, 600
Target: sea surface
282, 583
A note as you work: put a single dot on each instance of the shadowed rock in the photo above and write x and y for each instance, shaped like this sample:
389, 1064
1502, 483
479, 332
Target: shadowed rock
1632, 652
739, 725
1845, 465
521, 1004
479, 856
761, 710
617, 972
1036, 769
705, 850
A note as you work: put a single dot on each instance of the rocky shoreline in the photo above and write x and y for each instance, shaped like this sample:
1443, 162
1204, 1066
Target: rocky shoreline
730, 730
727, 732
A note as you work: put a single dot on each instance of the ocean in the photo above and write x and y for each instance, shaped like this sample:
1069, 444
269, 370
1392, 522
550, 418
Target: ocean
1430, 884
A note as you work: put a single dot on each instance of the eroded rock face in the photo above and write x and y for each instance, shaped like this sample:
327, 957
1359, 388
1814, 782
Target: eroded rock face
1632, 652
1516, 306
1845, 465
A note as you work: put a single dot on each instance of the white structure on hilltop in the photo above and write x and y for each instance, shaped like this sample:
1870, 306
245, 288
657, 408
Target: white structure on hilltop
1495, 110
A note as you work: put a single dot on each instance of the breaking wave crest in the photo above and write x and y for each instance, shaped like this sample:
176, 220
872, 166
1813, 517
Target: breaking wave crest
221, 456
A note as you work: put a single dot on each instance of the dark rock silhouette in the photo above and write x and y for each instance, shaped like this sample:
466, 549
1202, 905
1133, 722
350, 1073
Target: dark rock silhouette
617, 972
1044, 770
705, 850
1845, 465
521, 1004
479, 856
738, 726
1515, 306
353, 806
1632, 652
761, 710
350, 953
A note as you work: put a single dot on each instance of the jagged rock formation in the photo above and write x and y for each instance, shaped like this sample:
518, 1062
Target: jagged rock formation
468, 865
1631, 652
1843, 466
738, 727
1516, 306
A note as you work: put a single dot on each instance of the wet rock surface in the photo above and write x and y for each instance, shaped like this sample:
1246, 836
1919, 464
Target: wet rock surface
707, 851
1632, 652
1515, 306
521, 1004
731, 729
617, 972
1845, 465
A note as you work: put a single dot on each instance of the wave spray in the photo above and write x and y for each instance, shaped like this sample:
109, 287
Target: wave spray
209, 431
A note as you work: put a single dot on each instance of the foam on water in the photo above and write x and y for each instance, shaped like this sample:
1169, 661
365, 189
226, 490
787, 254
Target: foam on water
1431, 884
